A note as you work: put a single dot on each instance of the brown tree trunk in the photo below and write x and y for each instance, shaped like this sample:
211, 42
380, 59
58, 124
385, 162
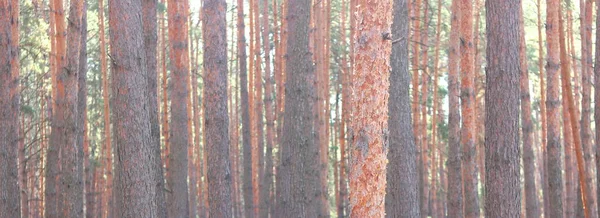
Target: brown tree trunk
9, 113
177, 170
267, 180
402, 177
192, 125
246, 136
150, 45
65, 123
553, 167
597, 105
369, 124
454, 197
531, 197
434, 132
107, 146
586, 129
82, 137
542, 109
467, 97
299, 150
503, 192
216, 119
575, 127
52, 163
135, 171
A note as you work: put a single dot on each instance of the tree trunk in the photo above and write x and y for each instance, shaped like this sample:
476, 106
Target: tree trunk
82, 135
597, 105
267, 180
299, 150
554, 163
150, 46
246, 136
135, 171
575, 128
503, 192
531, 197
454, 197
586, 129
107, 146
402, 177
216, 119
369, 124
9, 113
53, 204
177, 170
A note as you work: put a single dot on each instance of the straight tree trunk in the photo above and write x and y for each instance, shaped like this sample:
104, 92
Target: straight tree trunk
9, 105
370, 141
107, 146
14, 71
65, 125
434, 116
586, 129
150, 45
178, 164
298, 176
52, 194
455, 190
553, 168
597, 104
82, 138
216, 119
543, 109
269, 111
531, 197
402, 177
246, 136
135, 171
503, 192
467, 97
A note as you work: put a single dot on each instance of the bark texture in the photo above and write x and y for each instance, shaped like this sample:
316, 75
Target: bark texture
299, 188
553, 167
177, 198
454, 197
135, 188
369, 105
401, 199
9, 105
216, 119
502, 152
151, 45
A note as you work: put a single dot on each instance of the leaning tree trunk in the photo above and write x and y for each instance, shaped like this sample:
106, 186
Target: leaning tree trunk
135, 188
503, 191
402, 177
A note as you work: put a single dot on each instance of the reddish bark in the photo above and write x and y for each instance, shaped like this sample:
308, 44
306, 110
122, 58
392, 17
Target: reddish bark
553, 167
369, 125
454, 197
